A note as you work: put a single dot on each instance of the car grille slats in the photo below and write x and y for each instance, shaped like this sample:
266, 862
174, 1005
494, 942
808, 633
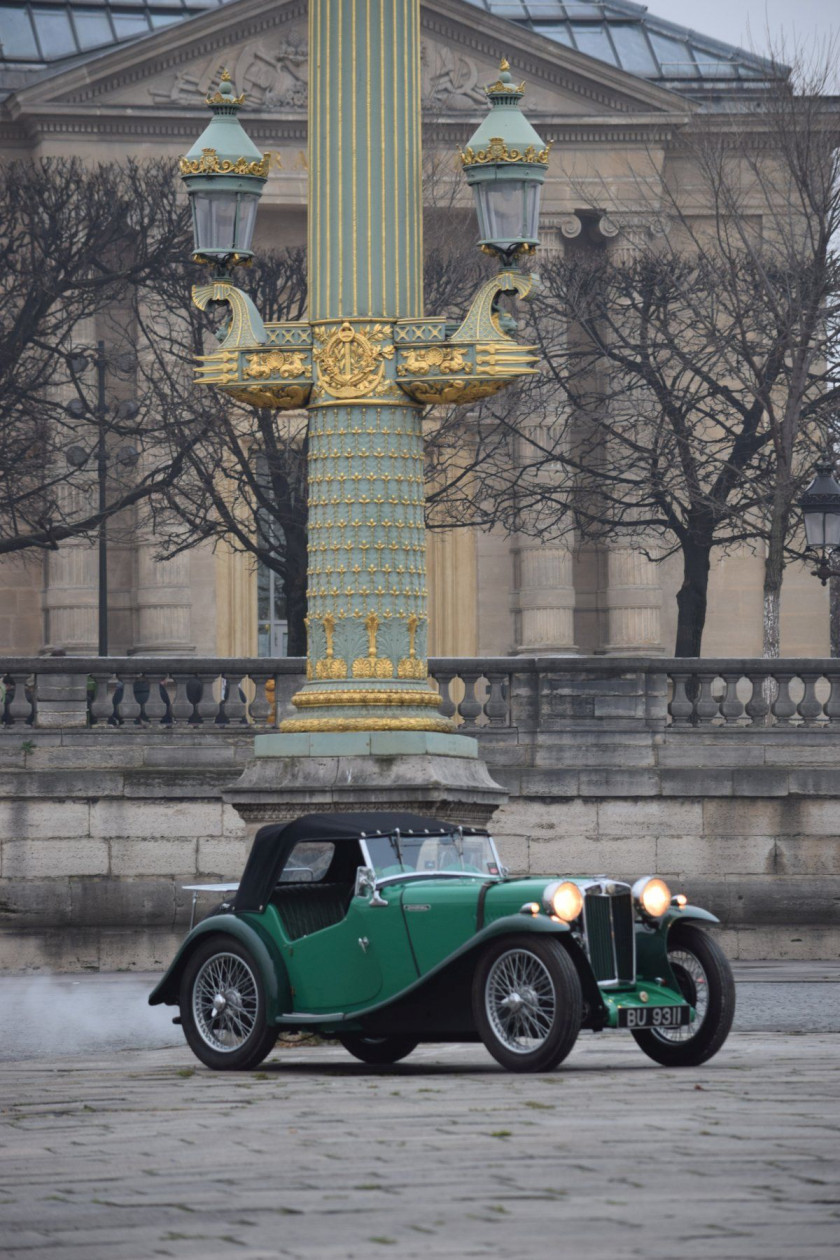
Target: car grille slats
608, 921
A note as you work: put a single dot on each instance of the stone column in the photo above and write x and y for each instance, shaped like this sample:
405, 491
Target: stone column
544, 599
163, 604
634, 603
71, 599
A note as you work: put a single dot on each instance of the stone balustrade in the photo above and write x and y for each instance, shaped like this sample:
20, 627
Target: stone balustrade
480, 693
723, 776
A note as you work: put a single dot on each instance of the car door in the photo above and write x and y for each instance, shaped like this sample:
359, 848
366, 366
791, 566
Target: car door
337, 968
441, 916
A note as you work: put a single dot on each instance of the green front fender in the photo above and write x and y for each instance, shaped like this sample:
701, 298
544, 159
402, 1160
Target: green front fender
675, 914
264, 950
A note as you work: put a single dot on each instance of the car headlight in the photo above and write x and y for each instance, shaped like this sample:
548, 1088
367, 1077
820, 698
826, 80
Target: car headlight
565, 900
653, 895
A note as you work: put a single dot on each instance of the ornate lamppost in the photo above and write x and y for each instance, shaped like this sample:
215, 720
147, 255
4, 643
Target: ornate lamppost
820, 506
367, 361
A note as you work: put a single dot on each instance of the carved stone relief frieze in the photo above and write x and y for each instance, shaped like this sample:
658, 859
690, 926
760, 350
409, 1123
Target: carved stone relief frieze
450, 80
273, 72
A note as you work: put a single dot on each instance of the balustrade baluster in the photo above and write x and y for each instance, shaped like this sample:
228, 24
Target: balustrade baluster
234, 704
129, 706
783, 707
707, 707
496, 706
681, 707
758, 705
810, 708
260, 707
447, 705
156, 705
183, 707
102, 702
732, 706
19, 707
208, 706
832, 707
470, 707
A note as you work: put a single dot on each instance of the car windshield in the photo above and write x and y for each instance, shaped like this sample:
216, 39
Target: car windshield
454, 854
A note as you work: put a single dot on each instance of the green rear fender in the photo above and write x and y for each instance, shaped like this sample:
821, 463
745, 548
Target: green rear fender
264, 950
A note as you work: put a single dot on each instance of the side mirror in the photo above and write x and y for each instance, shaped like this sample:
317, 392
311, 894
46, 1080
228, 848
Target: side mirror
366, 884
365, 881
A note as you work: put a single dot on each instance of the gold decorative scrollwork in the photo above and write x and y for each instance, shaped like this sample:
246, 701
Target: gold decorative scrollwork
351, 364
366, 698
211, 164
278, 397
497, 151
439, 360
433, 393
292, 363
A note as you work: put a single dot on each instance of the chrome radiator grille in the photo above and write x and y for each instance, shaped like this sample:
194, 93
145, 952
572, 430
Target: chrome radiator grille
608, 923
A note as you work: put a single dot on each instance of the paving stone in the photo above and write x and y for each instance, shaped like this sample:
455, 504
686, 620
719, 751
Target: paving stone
146, 1153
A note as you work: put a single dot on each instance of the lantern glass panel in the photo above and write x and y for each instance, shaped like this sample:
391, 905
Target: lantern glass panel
822, 528
245, 221
502, 204
222, 221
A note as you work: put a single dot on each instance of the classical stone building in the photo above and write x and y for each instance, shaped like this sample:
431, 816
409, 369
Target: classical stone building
610, 85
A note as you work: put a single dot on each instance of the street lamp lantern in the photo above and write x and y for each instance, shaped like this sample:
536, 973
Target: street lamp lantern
820, 506
225, 174
505, 163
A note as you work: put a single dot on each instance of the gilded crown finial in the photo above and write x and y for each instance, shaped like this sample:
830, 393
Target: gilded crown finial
225, 93
504, 85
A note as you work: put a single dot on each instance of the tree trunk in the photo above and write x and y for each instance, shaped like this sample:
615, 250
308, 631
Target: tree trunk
691, 599
295, 614
774, 567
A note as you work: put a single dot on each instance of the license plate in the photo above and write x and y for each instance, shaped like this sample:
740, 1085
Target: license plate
654, 1016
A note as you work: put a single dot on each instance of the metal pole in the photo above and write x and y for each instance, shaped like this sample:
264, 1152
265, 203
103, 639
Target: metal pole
101, 471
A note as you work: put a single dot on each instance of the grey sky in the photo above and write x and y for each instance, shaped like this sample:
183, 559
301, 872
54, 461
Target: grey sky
755, 24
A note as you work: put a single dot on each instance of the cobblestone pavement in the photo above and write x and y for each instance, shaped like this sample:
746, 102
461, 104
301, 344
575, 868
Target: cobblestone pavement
144, 1153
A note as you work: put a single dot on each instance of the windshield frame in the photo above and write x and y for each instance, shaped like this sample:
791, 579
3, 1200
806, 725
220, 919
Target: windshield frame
404, 876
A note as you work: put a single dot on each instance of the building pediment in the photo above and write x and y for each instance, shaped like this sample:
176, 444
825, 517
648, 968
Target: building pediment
156, 85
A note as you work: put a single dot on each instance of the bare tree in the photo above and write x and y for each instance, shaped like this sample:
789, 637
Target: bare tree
74, 243
689, 375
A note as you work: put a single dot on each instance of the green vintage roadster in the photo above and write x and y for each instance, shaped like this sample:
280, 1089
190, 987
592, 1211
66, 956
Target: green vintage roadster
384, 930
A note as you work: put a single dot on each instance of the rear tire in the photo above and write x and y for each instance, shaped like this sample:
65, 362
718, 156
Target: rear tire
705, 979
223, 1007
377, 1050
527, 1002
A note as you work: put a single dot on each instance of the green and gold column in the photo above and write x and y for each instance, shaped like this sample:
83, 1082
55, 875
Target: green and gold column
367, 617
367, 361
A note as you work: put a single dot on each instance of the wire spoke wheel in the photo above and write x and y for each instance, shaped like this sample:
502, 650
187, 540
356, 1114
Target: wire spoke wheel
694, 986
223, 1006
225, 1002
527, 1003
520, 1001
704, 979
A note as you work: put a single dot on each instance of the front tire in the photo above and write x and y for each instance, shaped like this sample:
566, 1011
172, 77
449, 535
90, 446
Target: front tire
705, 979
377, 1050
223, 1006
527, 1003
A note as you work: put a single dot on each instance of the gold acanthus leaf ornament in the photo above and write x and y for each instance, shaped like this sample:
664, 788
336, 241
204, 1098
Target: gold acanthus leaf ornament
211, 164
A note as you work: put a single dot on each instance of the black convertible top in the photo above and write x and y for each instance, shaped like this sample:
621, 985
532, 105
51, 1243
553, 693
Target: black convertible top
273, 843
